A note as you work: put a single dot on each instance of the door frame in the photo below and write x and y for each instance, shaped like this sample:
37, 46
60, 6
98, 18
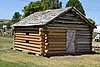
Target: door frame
74, 41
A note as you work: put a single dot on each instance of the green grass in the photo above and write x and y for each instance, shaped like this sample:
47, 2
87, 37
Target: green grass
11, 58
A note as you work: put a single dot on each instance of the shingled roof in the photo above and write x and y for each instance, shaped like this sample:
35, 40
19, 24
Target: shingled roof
42, 18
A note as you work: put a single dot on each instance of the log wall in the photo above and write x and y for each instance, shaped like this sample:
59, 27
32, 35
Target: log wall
57, 34
56, 42
84, 41
31, 40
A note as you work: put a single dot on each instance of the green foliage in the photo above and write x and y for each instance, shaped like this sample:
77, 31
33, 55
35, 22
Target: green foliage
10, 22
60, 4
1, 23
53, 4
77, 5
4, 23
34, 7
16, 17
91, 20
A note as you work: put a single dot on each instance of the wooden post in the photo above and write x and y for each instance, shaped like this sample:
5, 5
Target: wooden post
42, 35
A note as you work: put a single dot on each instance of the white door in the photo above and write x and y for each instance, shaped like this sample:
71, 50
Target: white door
70, 45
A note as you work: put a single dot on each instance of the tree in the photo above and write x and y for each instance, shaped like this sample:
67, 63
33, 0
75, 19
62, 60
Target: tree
91, 20
77, 5
34, 7
1, 23
16, 17
53, 4
41, 6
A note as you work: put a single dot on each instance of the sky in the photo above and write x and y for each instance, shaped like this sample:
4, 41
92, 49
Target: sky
9, 7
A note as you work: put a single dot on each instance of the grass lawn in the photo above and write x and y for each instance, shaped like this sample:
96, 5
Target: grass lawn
11, 58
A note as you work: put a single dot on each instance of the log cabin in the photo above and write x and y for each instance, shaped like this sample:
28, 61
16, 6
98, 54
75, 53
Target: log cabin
54, 32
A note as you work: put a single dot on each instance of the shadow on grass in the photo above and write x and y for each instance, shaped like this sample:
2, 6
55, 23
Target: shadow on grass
74, 55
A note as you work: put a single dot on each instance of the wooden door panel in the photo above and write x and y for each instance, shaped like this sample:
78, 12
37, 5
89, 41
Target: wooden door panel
70, 48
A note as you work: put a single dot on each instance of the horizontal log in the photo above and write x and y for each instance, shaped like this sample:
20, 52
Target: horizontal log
69, 18
58, 34
25, 31
53, 43
83, 46
27, 44
83, 42
68, 28
32, 42
68, 25
27, 50
20, 33
83, 34
34, 34
56, 52
56, 40
79, 37
20, 40
46, 43
87, 39
57, 49
28, 36
61, 31
57, 46
57, 37
62, 22
72, 15
82, 39
83, 51
29, 39
67, 22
